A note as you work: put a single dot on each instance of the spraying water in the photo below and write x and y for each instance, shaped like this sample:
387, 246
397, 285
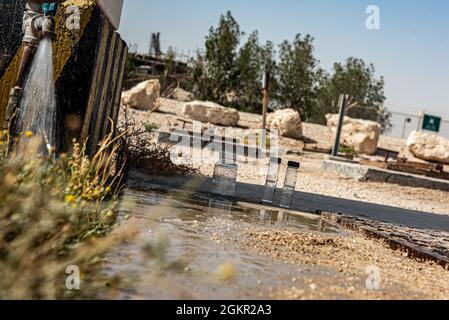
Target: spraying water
38, 107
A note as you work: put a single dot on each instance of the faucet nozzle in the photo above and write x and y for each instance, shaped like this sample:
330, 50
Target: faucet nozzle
49, 9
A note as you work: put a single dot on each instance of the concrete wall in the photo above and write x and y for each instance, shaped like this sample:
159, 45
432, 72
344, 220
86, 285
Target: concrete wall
113, 10
88, 65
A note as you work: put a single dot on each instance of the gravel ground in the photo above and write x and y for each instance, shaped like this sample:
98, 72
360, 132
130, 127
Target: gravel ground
312, 178
356, 260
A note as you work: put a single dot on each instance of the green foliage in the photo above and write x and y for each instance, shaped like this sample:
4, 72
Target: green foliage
218, 76
366, 93
229, 74
151, 127
54, 213
251, 63
299, 76
348, 150
232, 75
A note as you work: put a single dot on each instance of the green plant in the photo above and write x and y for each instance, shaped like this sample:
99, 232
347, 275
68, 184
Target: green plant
151, 127
357, 79
299, 76
231, 75
348, 150
215, 75
55, 213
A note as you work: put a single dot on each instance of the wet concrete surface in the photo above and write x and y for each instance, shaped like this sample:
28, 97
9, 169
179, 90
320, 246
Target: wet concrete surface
196, 253
306, 202
191, 246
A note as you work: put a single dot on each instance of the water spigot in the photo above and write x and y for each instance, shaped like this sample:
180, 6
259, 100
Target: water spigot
47, 26
49, 9
47, 22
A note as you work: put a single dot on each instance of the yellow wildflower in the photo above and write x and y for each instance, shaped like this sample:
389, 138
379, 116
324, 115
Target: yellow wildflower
70, 199
29, 134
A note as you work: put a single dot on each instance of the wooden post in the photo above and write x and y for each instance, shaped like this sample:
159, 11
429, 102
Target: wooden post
342, 101
266, 98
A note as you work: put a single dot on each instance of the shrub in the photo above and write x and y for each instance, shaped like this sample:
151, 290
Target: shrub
54, 213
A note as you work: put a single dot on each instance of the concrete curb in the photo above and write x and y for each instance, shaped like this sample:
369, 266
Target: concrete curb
363, 173
302, 201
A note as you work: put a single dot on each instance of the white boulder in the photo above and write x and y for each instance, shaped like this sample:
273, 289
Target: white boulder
287, 122
181, 95
428, 146
210, 112
361, 135
144, 96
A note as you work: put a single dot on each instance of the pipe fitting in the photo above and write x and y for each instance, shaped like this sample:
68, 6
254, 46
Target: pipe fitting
11, 108
31, 33
46, 26
38, 21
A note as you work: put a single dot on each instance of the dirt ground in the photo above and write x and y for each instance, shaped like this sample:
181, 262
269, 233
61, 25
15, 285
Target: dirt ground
367, 269
349, 262
312, 178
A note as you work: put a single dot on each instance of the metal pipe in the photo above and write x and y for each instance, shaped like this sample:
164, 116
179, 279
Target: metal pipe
266, 99
37, 23
342, 101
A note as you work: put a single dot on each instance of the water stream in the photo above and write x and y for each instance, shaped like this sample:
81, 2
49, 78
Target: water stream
38, 106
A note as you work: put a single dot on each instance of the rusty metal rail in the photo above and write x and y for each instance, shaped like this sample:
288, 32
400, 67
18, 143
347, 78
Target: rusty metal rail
420, 245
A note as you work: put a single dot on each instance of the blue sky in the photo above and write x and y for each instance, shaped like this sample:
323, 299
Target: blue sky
411, 50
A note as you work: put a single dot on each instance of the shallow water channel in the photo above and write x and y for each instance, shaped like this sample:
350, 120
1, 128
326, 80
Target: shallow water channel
188, 247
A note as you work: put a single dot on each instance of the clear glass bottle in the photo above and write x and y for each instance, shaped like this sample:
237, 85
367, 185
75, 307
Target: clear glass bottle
272, 181
291, 178
225, 178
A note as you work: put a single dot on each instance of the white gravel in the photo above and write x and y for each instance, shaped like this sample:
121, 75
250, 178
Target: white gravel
312, 178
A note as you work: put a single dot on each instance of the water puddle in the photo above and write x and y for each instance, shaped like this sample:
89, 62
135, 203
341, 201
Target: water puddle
192, 249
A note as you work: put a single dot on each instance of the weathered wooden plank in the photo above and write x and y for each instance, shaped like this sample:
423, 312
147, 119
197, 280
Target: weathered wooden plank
98, 119
105, 118
121, 77
99, 61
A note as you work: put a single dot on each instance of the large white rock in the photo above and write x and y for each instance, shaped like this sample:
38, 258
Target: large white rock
287, 122
210, 112
182, 95
428, 146
361, 135
144, 96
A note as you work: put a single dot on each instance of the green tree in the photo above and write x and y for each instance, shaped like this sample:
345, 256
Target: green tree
219, 67
252, 62
357, 79
299, 76
249, 74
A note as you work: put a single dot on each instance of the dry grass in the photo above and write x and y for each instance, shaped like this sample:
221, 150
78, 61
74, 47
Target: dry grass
139, 151
55, 213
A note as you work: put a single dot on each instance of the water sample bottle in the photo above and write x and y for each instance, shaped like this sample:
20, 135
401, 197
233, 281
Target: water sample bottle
225, 177
291, 178
272, 180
